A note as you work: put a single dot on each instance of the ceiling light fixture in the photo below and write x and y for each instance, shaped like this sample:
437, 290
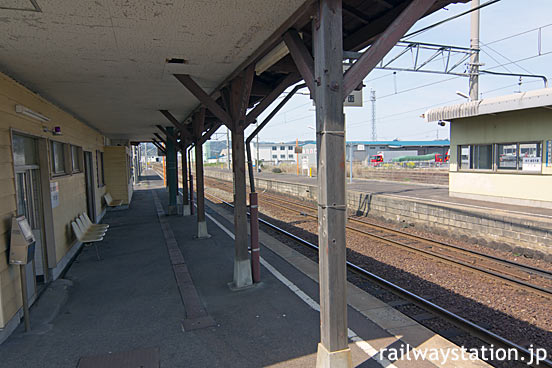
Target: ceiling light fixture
20, 109
271, 58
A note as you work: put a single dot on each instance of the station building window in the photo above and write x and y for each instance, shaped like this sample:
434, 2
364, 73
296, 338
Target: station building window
76, 153
507, 156
526, 156
476, 157
290, 148
282, 148
274, 156
274, 148
290, 156
283, 156
58, 157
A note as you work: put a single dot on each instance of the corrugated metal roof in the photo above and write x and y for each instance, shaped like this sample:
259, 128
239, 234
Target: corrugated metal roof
517, 101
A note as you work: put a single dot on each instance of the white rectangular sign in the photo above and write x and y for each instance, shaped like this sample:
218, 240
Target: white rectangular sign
532, 164
305, 163
54, 193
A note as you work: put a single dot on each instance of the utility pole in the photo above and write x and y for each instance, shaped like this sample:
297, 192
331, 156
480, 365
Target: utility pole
373, 99
474, 58
228, 148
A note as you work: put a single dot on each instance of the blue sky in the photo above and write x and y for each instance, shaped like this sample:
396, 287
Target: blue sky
403, 97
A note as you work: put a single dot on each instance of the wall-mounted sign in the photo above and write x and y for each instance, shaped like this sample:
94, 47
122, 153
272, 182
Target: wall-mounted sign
549, 154
54, 194
532, 164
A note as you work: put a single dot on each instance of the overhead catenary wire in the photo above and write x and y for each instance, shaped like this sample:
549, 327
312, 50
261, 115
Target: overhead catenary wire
425, 29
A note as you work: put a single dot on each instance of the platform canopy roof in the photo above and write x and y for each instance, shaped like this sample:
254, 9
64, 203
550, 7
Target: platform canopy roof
105, 61
494, 105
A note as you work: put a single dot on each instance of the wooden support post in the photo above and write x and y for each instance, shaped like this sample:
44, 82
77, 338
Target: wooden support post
185, 198
172, 178
191, 181
333, 349
242, 266
237, 98
199, 122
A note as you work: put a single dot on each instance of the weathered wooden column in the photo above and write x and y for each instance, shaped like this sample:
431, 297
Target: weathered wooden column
242, 265
172, 178
191, 181
333, 349
238, 99
198, 124
184, 174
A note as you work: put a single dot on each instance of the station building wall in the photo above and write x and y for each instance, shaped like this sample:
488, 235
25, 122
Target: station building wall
502, 185
118, 177
58, 240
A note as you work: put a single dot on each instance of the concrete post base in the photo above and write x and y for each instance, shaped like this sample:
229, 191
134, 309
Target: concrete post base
186, 210
172, 210
242, 275
202, 230
334, 359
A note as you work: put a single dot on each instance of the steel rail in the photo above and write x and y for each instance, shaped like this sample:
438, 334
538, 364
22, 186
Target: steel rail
466, 325
526, 268
504, 278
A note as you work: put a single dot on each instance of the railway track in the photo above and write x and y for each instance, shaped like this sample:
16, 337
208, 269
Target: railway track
515, 274
466, 325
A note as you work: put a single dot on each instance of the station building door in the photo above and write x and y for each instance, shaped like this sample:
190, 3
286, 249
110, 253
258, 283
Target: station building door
89, 178
29, 200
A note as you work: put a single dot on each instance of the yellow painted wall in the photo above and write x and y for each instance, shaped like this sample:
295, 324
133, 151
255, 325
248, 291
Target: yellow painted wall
72, 187
510, 127
117, 172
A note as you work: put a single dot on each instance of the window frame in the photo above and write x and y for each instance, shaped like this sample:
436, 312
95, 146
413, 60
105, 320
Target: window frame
79, 159
495, 158
53, 168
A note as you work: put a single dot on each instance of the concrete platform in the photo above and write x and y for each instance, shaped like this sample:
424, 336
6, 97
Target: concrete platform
523, 230
132, 305
426, 192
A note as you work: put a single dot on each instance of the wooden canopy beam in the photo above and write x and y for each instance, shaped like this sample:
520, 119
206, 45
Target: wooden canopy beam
270, 98
161, 139
159, 147
182, 128
301, 56
203, 97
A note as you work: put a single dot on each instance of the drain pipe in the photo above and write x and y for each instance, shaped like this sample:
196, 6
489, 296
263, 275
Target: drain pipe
253, 197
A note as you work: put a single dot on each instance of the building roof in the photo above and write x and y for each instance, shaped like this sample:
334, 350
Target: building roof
517, 101
399, 143
394, 143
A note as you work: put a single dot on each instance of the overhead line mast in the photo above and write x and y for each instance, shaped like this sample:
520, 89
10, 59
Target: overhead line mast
474, 58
